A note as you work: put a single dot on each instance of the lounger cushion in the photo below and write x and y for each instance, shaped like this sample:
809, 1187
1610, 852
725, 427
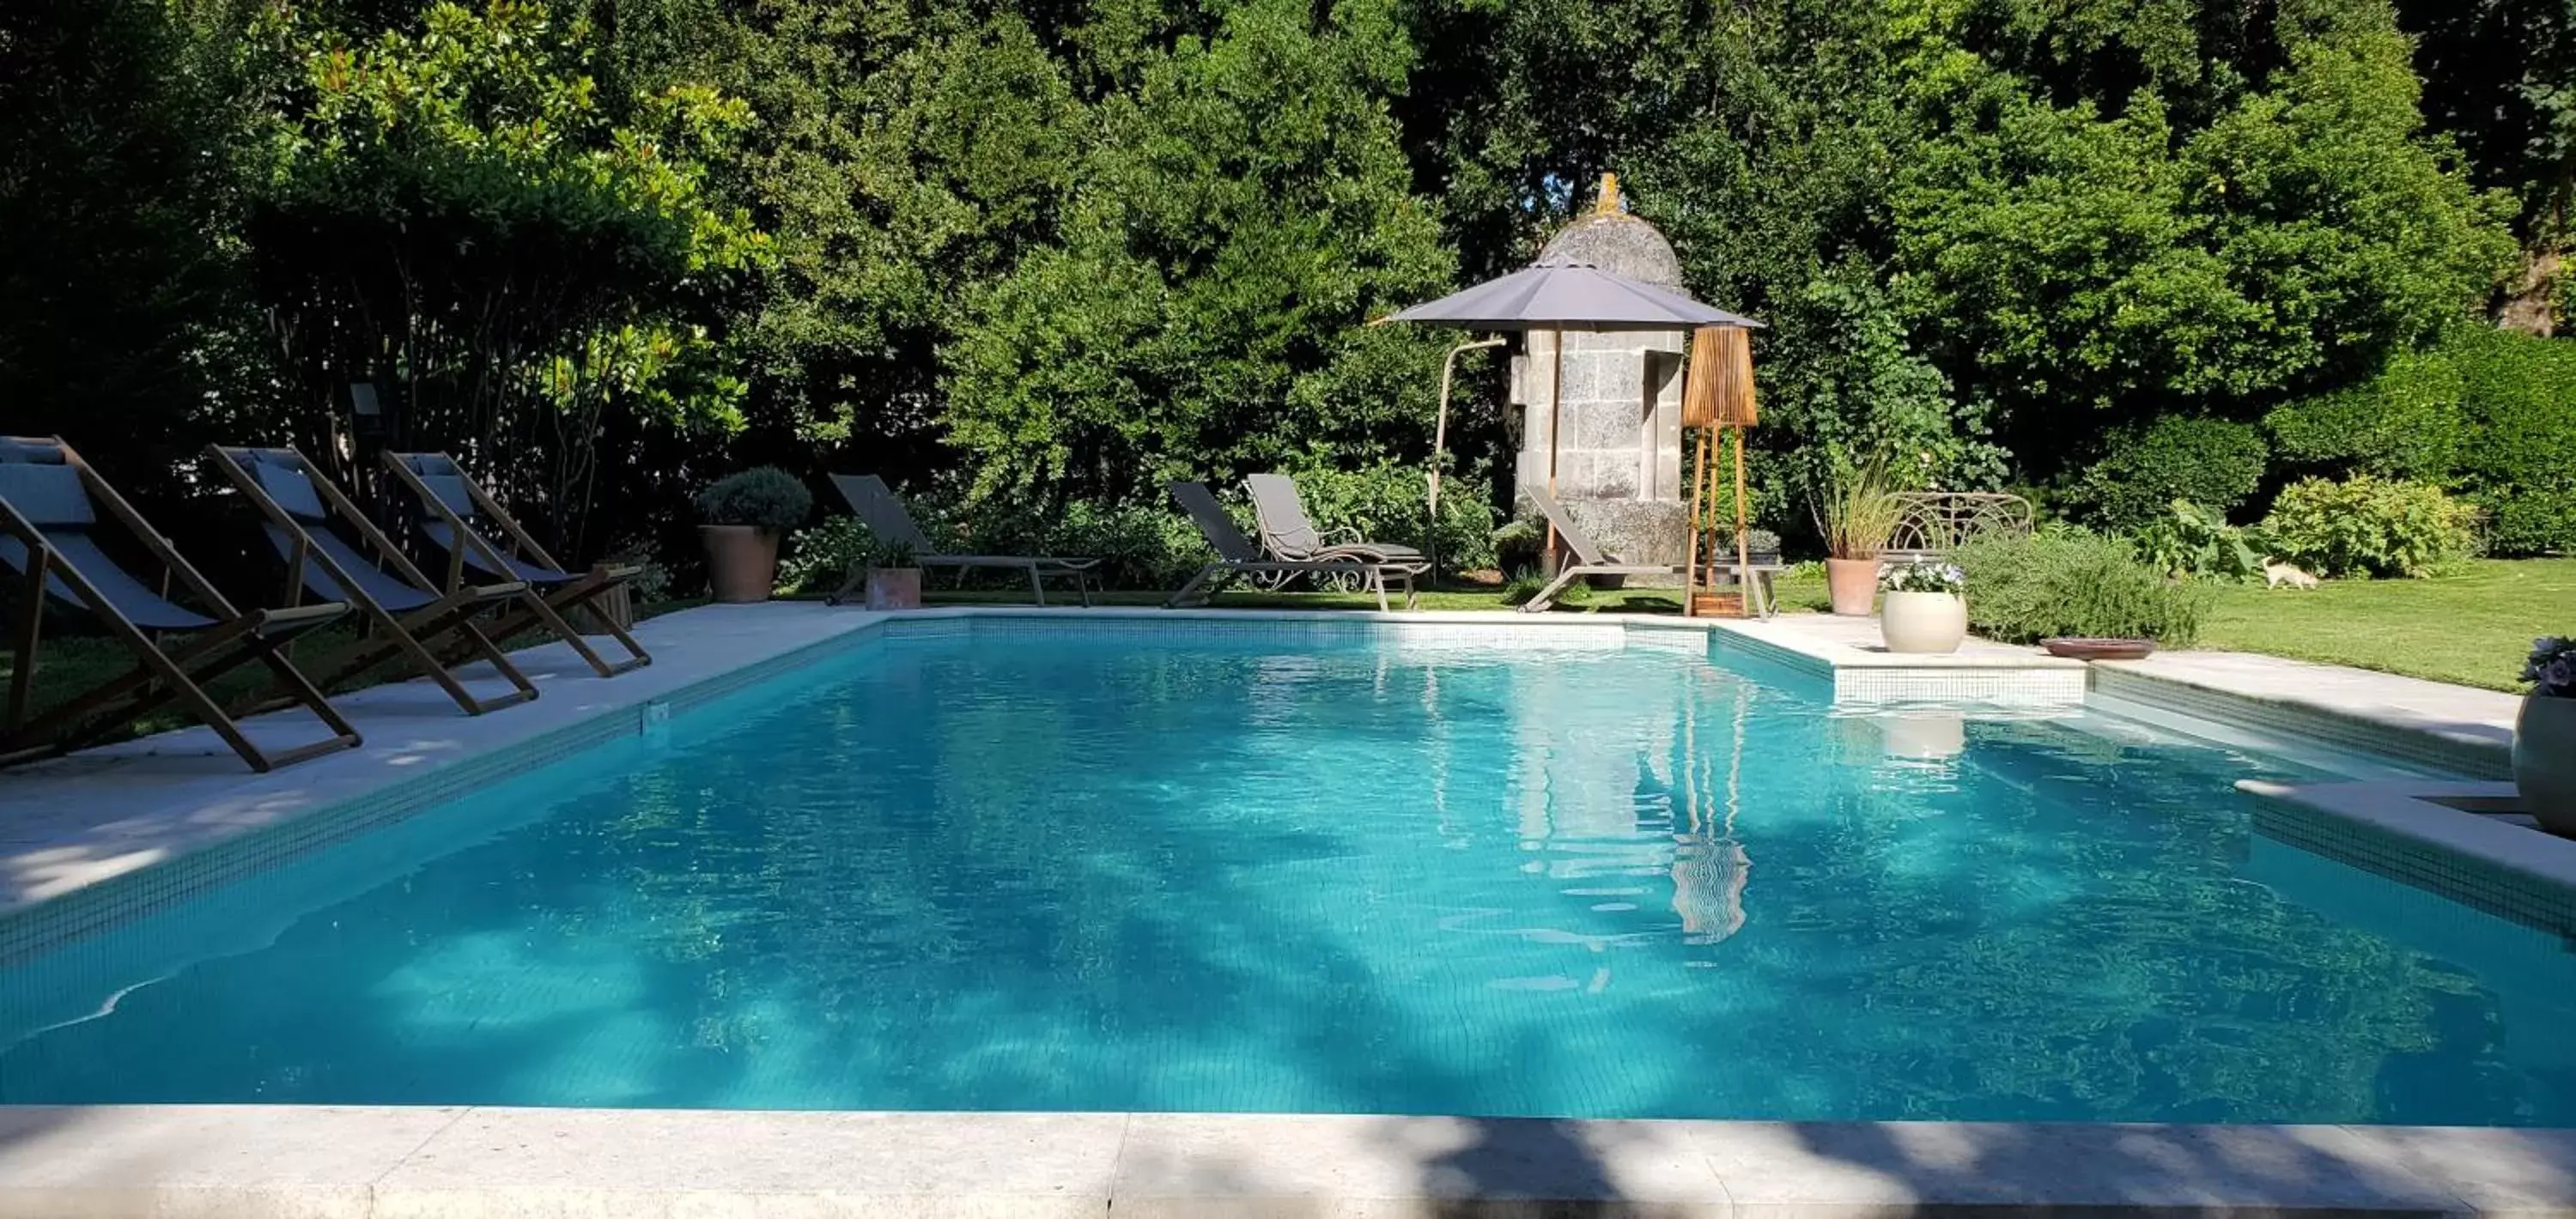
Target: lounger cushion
47, 495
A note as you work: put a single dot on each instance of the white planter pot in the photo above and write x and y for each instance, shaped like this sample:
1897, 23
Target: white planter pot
2544, 761
1932, 623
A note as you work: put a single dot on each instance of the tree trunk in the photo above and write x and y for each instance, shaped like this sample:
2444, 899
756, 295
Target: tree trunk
2528, 304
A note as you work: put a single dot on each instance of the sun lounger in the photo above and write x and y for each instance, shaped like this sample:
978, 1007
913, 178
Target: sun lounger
882, 511
1289, 535
461, 520
406, 613
1238, 557
49, 501
1589, 558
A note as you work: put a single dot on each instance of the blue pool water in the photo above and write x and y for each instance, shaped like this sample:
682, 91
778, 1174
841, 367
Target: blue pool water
1196, 872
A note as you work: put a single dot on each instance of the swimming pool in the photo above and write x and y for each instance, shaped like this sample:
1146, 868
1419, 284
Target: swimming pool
1241, 871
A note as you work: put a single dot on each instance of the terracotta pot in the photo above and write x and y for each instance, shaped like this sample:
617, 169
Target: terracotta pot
1853, 583
742, 562
894, 588
2544, 761
1930, 624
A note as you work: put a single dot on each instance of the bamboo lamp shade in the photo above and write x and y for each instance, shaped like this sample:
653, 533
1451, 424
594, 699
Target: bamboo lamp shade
1719, 389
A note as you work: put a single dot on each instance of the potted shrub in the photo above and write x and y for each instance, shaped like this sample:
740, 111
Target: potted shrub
894, 582
1925, 610
2544, 736
741, 517
1857, 516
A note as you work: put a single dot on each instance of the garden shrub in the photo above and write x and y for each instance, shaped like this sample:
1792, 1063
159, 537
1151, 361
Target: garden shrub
2518, 461
817, 557
2213, 462
2195, 542
1384, 503
2367, 526
2063, 580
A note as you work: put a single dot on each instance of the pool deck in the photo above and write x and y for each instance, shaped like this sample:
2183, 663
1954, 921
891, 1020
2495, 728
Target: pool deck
112, 814
179, 1162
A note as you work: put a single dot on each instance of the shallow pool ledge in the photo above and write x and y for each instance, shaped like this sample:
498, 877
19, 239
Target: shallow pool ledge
186, 1161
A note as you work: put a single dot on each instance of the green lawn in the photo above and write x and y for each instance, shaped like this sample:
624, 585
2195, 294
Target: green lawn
2473, 628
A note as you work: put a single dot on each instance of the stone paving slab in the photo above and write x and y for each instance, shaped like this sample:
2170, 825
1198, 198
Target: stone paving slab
182, 1162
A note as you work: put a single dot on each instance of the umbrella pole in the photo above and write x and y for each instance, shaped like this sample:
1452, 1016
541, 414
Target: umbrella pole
1698, 505
1440, 442
1743, 543
1555, 417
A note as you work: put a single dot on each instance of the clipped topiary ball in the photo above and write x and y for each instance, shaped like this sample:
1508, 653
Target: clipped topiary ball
763, 497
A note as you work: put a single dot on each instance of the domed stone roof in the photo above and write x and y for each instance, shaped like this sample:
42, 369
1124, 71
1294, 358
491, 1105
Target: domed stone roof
1617, 242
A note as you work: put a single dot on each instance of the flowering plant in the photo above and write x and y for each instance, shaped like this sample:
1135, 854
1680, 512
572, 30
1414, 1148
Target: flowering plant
1923, 576
2552, 667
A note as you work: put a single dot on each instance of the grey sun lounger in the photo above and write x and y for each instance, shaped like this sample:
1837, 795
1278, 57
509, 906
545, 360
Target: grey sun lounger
1289, 535
1589, 558
407, 614
882, 511
1238, 557
458, 517
49, 516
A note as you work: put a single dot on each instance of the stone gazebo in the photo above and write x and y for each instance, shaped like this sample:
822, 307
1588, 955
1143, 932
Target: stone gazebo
1619, 466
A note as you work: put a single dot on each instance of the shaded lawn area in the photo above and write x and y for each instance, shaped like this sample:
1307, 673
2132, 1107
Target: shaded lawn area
2471, 629
69, 665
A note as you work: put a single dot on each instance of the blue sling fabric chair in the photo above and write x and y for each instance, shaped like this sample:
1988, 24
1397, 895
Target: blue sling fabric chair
50, 522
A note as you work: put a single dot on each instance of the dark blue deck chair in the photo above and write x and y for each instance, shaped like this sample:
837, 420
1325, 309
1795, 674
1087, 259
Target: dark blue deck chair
459, 519
49, 521
405, 614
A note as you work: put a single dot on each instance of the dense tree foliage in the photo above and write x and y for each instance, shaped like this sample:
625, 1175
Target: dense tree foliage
1029, 253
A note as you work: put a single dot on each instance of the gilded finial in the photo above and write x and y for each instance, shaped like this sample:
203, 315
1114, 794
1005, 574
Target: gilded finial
1609, 202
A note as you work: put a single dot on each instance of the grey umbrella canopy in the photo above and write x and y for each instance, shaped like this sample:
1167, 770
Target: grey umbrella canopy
1565, 295
1559, 295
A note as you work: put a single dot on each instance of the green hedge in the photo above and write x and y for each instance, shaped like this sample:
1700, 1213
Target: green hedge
2404, 423
2215, 463
2518, 458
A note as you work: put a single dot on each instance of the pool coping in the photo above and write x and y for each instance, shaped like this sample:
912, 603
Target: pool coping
314, 1162
2401, 830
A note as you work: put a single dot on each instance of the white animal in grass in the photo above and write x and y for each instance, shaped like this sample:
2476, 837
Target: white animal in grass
2277, 573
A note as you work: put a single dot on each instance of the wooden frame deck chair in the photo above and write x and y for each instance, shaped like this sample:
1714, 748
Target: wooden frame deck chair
1238, 557
49, 501
1589, 558
407, 614
1288, 534
882, 511
459, 518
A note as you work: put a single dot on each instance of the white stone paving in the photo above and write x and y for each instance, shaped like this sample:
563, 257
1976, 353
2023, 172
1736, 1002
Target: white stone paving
317, 1162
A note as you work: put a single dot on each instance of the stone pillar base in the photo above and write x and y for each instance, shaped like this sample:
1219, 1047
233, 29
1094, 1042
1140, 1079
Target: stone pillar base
1638, 531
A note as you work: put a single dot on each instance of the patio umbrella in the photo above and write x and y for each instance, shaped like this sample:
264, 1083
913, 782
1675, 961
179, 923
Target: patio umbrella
1560, 295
